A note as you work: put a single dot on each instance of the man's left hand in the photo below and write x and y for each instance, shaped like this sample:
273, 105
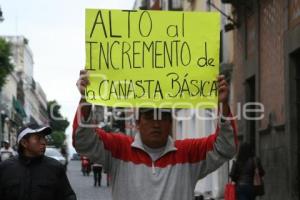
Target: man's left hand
223, 90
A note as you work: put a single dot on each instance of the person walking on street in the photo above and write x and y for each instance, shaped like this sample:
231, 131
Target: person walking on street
152, 165
107, 178
85, 165
31, 175
243, 171
6, 151
97, 171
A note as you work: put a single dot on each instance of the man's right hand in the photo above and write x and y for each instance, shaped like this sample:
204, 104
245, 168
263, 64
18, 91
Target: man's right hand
83, 82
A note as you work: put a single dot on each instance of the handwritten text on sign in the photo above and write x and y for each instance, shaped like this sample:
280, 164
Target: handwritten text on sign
152, 58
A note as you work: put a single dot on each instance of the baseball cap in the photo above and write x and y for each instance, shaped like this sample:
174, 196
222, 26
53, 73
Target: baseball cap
5, 141
163, 110
33, 128
156, 112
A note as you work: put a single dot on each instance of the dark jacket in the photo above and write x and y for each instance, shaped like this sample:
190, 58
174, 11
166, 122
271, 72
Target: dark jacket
22, 178
243, 173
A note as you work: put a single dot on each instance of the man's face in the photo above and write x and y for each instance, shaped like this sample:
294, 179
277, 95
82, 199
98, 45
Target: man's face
154, 132
35, 145
6, 145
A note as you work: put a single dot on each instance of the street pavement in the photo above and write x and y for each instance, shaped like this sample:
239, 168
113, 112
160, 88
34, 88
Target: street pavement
84, 185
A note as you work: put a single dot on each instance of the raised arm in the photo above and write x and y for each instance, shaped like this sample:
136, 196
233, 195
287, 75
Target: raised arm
89, 140
209, 153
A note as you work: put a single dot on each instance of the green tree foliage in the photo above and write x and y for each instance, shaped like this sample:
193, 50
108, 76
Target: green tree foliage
57, 139
5, 65
58, 124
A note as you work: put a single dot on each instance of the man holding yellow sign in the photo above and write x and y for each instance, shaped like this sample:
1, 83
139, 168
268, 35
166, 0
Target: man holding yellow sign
155, 61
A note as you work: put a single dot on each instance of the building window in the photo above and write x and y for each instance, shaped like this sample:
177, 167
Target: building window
145, 4
164, 5
175, 5
221, 46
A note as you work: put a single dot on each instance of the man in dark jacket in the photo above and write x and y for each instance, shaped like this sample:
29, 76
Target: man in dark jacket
31, 175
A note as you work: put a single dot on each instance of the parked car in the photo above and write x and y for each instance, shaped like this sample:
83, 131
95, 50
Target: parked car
75, 156
55, 153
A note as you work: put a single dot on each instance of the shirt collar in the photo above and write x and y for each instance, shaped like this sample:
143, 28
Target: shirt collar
137, 143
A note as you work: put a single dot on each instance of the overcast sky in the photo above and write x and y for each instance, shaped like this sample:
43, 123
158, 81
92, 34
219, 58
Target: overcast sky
55, 30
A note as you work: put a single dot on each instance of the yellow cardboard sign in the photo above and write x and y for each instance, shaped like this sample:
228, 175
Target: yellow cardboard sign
146, 58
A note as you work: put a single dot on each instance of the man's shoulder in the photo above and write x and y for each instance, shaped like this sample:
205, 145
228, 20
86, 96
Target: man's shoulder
115, 136
10, 150
9, 162
52, 165
52, 162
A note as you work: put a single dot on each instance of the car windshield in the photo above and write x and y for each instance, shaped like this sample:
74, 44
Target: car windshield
52, 152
